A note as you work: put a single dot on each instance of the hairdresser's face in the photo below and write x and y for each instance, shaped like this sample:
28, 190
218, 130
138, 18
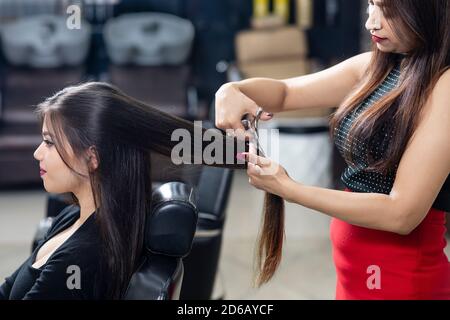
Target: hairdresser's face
56, 175
381, 30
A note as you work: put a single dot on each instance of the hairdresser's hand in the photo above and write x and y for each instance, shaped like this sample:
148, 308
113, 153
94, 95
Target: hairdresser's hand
232, 105
267, 175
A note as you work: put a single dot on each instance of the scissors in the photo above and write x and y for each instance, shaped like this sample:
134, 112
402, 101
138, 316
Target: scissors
251, 125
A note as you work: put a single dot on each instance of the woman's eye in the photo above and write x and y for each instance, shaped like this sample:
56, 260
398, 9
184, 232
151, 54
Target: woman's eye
48, 143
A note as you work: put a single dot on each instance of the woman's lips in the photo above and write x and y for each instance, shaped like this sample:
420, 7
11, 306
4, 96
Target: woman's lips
42, 172
377, 39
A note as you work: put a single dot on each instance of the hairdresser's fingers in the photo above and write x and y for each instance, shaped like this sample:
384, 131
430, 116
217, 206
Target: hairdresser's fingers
240, 134
255, 159
227, 118
231, 105
263, 162
252, 148
266, 116
234, 126
253, 169
251, 157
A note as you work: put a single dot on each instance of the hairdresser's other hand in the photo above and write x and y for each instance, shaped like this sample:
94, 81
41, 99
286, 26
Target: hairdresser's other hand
267, 175
232, 105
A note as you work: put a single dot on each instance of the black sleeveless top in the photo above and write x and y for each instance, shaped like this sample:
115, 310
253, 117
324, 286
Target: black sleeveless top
355, 177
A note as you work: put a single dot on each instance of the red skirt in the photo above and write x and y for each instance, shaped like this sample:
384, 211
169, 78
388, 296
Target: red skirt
372, 264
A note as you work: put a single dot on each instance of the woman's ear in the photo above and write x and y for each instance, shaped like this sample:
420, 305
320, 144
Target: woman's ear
92, 158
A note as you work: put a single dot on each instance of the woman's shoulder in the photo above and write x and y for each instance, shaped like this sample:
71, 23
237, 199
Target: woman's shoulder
359, 64
440, 93
444, 79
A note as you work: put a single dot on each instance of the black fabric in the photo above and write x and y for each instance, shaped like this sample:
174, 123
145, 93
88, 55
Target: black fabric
52, 280
442, 201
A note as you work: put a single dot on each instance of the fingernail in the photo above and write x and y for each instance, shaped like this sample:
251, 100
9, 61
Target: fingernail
240, 156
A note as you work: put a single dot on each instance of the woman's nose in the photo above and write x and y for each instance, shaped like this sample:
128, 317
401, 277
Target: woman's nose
374, 20
38, 153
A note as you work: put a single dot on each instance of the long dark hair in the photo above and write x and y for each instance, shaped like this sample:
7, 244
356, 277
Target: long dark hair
271, 238
425, 27
122, 132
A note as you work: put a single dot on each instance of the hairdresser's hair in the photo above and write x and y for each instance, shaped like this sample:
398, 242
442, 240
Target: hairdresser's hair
425, 27
123, 132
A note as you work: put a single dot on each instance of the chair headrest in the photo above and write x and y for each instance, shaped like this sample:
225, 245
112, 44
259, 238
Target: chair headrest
171, 225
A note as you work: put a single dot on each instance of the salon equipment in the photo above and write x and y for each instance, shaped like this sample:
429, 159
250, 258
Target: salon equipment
148, 39
149, 62
169, 232
251, 126
45, 41
201, 265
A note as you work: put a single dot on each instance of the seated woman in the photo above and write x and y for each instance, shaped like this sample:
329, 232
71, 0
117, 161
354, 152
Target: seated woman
96, 145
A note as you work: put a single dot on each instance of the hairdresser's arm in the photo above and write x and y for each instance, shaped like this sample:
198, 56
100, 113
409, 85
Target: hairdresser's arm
422, 171
326, 88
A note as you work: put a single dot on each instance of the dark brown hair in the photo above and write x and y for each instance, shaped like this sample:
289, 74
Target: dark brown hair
425, 27
123, 132
270, 243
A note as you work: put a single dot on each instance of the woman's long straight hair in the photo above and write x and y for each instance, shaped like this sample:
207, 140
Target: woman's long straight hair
123, 132
425, 27
270, 242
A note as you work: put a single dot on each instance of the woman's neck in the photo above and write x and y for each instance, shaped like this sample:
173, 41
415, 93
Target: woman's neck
86, 201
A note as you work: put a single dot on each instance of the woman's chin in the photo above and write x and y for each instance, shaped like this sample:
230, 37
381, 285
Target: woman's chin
49, 188
384, 48
389, 49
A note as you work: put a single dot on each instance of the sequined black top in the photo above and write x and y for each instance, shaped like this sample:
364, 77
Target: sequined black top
355, 176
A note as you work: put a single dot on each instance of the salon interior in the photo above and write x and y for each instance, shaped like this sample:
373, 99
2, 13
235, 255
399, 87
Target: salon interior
174, 55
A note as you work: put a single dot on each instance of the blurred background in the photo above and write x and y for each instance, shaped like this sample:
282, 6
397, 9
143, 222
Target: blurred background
174, 55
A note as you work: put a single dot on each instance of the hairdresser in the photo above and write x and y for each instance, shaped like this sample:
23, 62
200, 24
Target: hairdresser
392, 128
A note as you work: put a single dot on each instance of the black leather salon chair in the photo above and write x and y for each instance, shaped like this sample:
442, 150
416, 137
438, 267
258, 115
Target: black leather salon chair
169, 232
201, 265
